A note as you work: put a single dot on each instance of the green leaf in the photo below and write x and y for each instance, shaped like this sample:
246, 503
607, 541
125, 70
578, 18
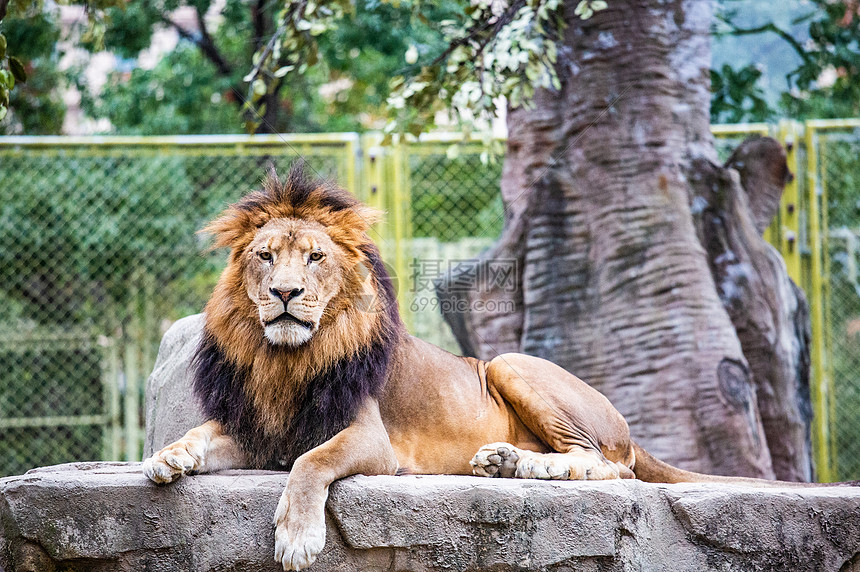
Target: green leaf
2, 46
416, 128
3, 111
7, 81
318, 28
18, 70
599, 5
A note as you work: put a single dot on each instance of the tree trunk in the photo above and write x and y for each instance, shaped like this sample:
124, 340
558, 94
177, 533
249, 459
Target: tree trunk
618, 281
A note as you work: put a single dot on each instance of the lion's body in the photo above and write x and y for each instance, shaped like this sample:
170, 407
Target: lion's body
439, 409
305, 365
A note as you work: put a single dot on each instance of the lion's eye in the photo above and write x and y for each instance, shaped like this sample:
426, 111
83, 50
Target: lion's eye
265, 255
316, 256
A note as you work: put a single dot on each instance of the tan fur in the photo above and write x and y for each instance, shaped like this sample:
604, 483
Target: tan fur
515, 415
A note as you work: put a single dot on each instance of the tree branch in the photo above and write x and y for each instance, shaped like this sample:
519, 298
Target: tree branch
295, 9
474, 32
771, 27
204, 42
258, 16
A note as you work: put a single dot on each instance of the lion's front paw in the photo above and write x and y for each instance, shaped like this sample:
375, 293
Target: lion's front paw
299, 535
495, 460
173, 461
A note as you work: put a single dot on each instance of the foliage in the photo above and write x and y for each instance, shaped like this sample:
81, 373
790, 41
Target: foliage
826, 83
840, 162
11, 71
736, 95
325, 65
371, 45
18, 37
183, 93
37, 107
454, 197
495, 48
828, 80
92, 240
344, 90
462, 56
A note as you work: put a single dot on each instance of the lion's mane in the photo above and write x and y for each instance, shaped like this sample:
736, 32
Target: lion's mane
278, 401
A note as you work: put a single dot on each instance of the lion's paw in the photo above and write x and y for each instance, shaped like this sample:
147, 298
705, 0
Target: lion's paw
564, 466
505, 460
495, 460
298, 540
172, 462
555, 467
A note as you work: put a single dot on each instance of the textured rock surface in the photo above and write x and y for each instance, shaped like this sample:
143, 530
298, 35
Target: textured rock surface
170, 408
107, 516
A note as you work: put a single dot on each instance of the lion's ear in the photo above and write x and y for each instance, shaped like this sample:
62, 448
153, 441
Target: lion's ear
349, 227
234, 228
368, 215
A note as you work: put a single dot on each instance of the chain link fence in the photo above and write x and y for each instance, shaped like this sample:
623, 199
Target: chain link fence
839, 179
98, 256
456, 212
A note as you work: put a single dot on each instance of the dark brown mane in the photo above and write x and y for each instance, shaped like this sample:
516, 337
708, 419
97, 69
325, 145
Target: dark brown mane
279, 401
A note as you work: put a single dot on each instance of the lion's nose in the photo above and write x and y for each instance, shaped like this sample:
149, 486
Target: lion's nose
285, 295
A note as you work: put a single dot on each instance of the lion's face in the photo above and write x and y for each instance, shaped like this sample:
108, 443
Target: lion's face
293, 269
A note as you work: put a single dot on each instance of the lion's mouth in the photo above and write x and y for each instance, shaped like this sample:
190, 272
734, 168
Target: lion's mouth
287, 317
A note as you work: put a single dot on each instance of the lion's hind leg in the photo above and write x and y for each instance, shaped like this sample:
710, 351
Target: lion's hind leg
505, 460
589, 438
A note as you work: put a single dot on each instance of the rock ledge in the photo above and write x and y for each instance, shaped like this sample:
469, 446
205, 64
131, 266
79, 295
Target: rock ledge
107, 516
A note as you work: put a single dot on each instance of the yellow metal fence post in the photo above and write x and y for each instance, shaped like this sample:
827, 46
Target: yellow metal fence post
399, 213
820, 379
383, 188
789, 207
827, 325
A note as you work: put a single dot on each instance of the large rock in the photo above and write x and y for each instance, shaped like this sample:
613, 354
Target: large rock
170, 407
107, 516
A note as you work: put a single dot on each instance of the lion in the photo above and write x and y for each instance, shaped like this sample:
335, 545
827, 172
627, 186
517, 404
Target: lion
306, 366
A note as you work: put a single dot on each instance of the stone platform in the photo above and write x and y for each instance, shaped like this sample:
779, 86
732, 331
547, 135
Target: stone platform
107, 516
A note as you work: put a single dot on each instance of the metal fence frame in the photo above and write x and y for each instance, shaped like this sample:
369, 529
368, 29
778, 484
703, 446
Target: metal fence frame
380, 175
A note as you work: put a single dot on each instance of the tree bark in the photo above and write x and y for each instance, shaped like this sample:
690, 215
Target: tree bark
731, 208
600, 183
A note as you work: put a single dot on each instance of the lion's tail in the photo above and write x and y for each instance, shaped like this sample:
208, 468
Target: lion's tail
650, 469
